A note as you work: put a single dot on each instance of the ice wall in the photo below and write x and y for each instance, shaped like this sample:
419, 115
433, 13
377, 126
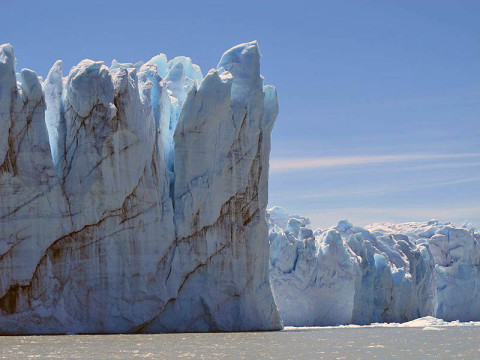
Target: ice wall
133, 197
456, 254
381, 273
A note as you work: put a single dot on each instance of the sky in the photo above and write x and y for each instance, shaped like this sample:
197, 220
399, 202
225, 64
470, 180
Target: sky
379, 100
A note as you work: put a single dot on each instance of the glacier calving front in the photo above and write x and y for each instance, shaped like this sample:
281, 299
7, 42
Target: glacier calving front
380, 273
133, 197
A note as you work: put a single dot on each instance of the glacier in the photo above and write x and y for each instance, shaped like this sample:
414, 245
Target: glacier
382, 273
133, 196
133, 200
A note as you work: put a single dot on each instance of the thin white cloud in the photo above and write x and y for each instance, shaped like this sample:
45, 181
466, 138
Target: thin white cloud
441, 166
302, 163
454, 182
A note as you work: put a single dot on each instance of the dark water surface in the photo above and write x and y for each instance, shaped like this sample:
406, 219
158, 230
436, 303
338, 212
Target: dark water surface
300, 343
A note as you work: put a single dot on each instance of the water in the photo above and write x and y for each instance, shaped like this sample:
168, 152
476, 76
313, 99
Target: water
300, 343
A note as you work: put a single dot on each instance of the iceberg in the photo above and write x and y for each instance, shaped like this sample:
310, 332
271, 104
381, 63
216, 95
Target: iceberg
133, 197
383, 273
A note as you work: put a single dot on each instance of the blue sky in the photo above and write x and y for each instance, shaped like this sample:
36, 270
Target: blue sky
379, 100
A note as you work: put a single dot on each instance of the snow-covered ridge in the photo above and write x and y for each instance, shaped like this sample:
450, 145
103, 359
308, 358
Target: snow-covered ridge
133, 196
383, 273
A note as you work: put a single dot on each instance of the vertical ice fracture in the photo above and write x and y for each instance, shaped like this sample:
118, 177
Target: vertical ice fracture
133, 197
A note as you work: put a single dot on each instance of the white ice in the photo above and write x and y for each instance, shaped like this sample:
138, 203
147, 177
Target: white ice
133, 197
380, 273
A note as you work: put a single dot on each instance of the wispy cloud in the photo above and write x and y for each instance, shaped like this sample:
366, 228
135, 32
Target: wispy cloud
442, 166
454, 182
302, 163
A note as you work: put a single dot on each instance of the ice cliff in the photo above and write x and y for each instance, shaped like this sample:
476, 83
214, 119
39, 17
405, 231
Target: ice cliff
380, 273
133, 196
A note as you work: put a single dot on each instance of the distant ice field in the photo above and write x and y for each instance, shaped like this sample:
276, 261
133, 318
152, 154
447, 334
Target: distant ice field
377, 341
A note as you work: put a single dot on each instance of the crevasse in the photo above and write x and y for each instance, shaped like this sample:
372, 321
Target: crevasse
133, 197
381, 273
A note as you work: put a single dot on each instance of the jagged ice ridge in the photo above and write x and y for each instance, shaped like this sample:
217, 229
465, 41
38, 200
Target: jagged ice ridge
380, 273
133, 196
